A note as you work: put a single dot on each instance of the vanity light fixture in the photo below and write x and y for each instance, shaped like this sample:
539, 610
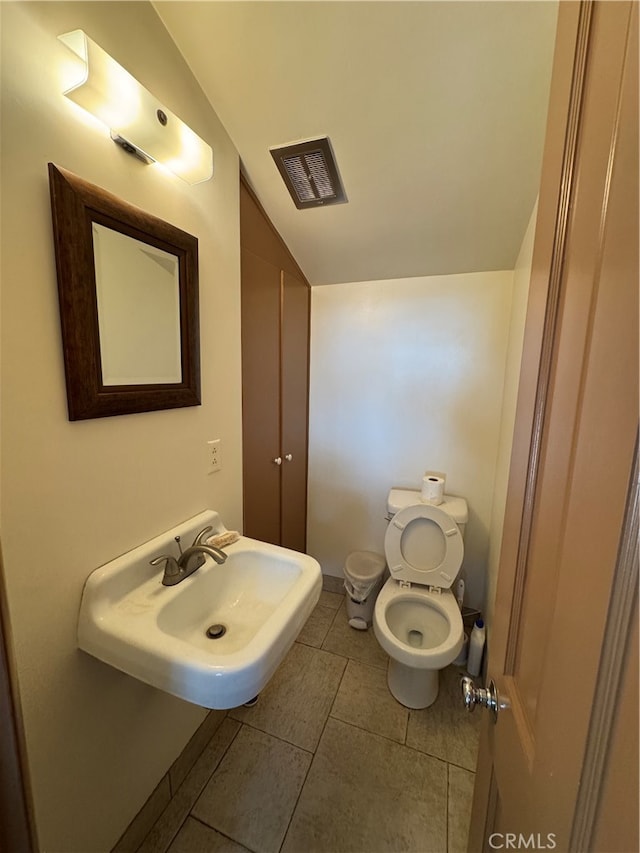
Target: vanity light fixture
136, 120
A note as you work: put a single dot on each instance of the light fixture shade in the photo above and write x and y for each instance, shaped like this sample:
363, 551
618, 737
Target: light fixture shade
135, 118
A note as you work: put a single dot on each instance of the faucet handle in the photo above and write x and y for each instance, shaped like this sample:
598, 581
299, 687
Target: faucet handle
200, 536
171, 567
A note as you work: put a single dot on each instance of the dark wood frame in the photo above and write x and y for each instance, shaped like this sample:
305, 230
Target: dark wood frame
75, 204
17, 821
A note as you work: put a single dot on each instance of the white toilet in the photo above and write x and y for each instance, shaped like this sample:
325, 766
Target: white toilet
416, 619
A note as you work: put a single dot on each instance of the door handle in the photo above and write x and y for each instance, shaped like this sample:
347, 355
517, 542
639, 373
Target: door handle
486, 697
289, 457
278, 460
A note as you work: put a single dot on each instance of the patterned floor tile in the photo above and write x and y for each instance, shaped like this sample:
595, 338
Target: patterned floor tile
297, 701
251, 796
331, 599
445, 729
195, 837
366, 793
317, 626
364, 700
342, 639
461, 784
183, 800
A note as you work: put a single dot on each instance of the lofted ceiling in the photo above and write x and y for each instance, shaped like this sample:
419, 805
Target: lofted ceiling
436, 113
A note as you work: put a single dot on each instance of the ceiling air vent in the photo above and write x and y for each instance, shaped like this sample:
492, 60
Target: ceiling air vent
309, 170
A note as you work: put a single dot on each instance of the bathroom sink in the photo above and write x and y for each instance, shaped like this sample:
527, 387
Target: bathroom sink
215, 638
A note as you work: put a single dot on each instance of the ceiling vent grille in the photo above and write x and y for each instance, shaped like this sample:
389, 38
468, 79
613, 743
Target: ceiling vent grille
309, 170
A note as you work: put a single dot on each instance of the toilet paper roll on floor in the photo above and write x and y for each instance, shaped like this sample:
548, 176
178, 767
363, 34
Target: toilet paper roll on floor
432, 489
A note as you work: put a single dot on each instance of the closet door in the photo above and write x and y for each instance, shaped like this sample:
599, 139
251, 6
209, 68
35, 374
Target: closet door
261, 302
294, 410
275, 380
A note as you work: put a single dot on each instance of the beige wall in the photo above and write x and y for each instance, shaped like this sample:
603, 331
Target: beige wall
75, 495
406, 375
521, 276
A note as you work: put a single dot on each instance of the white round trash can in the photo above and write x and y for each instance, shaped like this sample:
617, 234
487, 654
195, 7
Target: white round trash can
363, 576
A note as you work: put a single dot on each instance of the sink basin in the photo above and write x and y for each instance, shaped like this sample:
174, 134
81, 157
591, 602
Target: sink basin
261, 596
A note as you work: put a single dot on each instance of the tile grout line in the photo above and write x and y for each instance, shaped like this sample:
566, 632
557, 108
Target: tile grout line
219, 832
395, 742
209, 778
414, 749
334, 618
326, 633
459, 766
333, 610
175, 834
446, 815
295, 805
349, 659
406, 728
335, 696
313, 756
312, 752
166, 846
276, 737
379, 734
346, 723
195, 761
340, 654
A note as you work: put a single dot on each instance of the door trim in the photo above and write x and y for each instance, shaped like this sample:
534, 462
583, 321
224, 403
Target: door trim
17, 821
565, 200
618, 626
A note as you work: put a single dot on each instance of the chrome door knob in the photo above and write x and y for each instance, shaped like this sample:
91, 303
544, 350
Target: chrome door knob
278, 460
486, 697
289, 457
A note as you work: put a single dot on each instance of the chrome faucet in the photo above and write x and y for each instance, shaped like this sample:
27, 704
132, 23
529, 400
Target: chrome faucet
189, 560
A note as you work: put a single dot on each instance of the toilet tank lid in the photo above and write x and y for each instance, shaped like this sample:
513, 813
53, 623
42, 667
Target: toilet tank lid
454, 506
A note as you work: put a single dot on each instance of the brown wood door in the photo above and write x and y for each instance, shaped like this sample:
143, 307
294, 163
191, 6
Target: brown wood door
294, 410
275, 381
260, 397
568, 571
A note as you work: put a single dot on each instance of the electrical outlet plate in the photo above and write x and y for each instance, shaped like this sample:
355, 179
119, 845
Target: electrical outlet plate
214, 461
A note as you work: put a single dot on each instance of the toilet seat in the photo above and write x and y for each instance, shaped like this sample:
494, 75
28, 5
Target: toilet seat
433, 656
408, 529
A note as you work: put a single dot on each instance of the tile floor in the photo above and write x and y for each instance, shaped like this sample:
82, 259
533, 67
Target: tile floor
328, 761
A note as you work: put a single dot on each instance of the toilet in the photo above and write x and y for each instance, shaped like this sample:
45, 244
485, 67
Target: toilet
416, 618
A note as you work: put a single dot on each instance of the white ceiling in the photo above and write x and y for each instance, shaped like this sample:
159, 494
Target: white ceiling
435, 111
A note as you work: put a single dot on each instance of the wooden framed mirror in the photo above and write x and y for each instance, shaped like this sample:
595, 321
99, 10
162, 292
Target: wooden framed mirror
128, 292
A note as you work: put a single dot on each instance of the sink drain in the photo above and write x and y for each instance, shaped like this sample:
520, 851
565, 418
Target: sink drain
214, 632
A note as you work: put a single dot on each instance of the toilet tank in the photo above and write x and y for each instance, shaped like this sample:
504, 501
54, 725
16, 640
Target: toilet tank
454, 506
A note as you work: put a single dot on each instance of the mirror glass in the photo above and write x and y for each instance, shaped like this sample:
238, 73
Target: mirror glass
138, 296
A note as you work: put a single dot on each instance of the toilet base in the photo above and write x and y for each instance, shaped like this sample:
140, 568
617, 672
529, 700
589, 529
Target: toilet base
413, 688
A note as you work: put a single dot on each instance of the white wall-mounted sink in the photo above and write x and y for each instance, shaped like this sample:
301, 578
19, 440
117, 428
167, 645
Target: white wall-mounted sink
262, 595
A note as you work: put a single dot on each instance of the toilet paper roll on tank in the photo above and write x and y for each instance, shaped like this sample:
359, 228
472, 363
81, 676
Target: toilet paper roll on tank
432, 491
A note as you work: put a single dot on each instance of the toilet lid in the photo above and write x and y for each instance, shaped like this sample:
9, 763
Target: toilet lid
423, 545
364, 566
